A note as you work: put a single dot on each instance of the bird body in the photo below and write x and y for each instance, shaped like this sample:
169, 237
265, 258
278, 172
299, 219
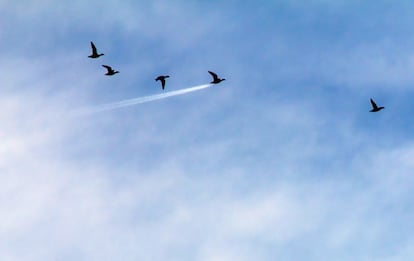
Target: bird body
162, 79
95, 53
216, 79
110, 71
375, 108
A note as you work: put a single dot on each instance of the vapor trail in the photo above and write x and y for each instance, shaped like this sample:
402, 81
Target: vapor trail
130, 102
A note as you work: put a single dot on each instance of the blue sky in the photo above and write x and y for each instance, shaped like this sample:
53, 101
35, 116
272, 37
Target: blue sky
282, 161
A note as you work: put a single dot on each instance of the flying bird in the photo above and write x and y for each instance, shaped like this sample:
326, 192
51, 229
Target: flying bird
375, 108
95, 53
162, 79
110, 70
216, 79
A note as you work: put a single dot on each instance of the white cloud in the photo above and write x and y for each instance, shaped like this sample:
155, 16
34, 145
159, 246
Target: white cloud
211, 179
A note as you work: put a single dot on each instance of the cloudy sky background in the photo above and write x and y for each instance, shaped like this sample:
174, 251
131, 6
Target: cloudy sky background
282, 161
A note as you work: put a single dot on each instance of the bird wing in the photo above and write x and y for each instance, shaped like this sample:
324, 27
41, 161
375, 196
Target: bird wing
109, 68
158, 78
163, 83
213, 74
374, 105
93, 48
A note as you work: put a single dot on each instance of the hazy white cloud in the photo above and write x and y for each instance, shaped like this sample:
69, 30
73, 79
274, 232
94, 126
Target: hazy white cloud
243, 171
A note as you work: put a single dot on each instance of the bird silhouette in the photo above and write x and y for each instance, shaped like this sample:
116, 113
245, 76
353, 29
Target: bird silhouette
375, 108
94, 52
216, 79
109, 69
162, 79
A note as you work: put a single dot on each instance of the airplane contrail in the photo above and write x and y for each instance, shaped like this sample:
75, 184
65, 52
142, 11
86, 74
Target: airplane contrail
144, 99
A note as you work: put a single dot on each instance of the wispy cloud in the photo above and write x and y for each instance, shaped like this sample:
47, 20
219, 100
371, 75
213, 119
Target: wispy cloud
281, 161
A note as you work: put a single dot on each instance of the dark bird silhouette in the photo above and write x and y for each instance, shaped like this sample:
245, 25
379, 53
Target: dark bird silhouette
95, 53
110, 70
162, 79
216, 79
375, 108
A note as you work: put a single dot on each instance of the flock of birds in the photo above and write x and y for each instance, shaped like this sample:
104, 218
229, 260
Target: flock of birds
161, 78
216, 79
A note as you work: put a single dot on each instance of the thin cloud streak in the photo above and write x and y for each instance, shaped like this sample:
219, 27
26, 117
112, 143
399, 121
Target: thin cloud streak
144, 99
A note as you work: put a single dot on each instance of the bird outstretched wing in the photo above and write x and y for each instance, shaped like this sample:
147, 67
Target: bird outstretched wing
93, 48
213, 74
374, 105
